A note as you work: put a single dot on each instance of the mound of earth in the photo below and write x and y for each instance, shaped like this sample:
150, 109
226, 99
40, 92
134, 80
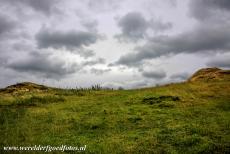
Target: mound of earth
210, 74
25, 87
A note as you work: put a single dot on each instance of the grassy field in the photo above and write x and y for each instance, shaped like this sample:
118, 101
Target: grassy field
177, 118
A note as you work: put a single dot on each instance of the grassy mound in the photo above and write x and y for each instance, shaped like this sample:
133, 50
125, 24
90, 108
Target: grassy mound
24, 87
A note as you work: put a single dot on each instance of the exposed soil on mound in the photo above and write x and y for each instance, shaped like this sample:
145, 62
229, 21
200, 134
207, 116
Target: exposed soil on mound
210, 74
24, 87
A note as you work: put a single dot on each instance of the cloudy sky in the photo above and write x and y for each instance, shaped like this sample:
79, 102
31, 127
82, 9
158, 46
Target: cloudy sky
110, 42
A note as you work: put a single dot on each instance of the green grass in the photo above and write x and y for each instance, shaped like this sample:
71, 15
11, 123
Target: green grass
176, 118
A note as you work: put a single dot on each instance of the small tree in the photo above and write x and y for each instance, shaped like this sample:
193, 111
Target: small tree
120, 88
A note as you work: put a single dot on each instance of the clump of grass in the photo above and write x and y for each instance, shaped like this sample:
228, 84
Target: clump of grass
134, 119
160, 99
96, 87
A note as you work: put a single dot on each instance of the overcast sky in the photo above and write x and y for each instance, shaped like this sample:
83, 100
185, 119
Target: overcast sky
69, 43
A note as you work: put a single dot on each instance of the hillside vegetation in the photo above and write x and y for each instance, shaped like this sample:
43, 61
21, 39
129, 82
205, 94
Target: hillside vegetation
188, 117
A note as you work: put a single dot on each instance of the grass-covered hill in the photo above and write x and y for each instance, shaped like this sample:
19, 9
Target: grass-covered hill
188, 117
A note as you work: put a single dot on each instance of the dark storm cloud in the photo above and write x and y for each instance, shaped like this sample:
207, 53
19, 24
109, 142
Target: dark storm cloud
6, 25
205, 9
99, 71
44, 65
200, 40
3, 61
43, 6
134, 26
69, 40
158, 25
159, 74
180, 76
219, 62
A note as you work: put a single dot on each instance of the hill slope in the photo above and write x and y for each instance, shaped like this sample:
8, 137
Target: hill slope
190, 117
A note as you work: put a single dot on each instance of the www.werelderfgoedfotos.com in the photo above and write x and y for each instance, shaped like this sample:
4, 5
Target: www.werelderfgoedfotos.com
115, 76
